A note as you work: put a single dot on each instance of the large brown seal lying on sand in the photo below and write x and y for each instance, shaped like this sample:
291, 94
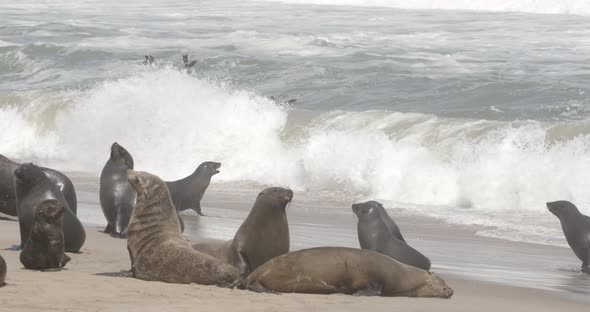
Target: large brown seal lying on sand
156, 247
45, 248
34, 187
377, 232
330, 270
8, 192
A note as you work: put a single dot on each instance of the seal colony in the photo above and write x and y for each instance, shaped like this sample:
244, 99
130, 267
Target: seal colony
142, 208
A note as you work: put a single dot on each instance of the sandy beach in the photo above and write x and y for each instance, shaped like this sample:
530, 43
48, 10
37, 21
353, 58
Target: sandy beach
486, 274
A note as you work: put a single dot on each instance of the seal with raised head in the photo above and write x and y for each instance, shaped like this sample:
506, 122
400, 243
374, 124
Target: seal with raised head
576, 228
375, 234
156, 247
8, 192
32, 188
117, 197
2, 272
331, 270
265, 232
45, 248
187, 192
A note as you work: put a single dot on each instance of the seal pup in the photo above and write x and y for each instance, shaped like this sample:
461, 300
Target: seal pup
34, 187
117, 197
156, 247
8, 192
374, 234
2, 271
265, 232
45, 248
576, 228
187, 192
330, 270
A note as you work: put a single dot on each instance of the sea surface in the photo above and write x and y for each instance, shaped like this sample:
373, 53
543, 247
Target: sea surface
472, 112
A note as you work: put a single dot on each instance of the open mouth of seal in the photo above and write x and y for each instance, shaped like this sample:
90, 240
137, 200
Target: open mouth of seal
216, 166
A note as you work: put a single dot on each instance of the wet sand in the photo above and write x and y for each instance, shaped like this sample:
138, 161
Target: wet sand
487, 274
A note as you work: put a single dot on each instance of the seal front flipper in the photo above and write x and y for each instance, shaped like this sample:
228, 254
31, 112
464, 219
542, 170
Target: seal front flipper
372, 289
586, 263
243, 265
65, 260
197, 209
108, 229
256, 287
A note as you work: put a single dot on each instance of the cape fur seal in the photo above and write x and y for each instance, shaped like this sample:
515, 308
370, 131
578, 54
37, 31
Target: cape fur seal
2, 271
117, 197
156, 247
8, 191
187, 192
330, 270
375, 234
45, 248
34, 187
576, 228
265, 232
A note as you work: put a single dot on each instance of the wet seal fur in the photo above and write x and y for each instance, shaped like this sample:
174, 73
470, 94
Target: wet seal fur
265, 232
117, 197
330, 270
8, 191
32, 188
382, 236
576, 228
156, 247
187, 192
45, 248
3, 270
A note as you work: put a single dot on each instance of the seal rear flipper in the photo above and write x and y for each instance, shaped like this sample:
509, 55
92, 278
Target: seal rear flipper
65, 260
256, 287
372, 289
51, 270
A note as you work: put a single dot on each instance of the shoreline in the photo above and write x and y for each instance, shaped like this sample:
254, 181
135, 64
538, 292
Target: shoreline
454, 250
87, 284
480, 269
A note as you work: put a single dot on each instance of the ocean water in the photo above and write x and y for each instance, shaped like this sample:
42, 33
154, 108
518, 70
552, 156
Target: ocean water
474, 112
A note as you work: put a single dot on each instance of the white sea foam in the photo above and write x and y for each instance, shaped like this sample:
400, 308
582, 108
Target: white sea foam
491, 173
